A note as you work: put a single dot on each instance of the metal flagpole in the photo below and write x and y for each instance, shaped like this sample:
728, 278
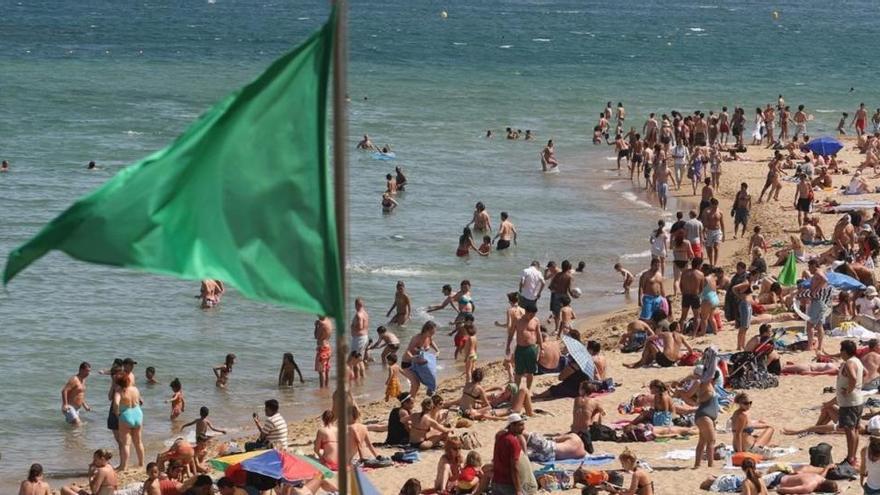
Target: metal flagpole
340, 183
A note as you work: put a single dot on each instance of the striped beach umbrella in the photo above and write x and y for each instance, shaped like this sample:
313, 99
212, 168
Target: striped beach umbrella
579, 354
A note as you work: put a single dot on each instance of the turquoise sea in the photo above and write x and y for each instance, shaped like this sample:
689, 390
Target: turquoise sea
113, 81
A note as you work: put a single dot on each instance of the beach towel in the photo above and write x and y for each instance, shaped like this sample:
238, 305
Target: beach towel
680, 454
587, 460
426, 373
854, 331
710, 364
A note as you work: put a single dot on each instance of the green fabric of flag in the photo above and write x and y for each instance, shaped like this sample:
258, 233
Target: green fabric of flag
788, 274
244, 195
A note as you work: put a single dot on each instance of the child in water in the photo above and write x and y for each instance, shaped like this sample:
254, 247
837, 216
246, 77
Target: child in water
470, 350
460, 334
178, 403
392, 383
288, 368
627, 276
150, 374
486, 247
203, 424
222, 372
842, 124
388, 342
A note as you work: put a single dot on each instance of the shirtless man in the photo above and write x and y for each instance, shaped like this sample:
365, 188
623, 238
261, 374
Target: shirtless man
860, 120
360, 335
691, 283
742, 204
701, 131
763, 344
800, 123
585, 411
506, 233
528, 344
550, 356
481, 220
621, 147
73, 395
713, 221
633, 328
706, 195
652, 294
560, 285
723, 126
661, 181
650, 130
844, 235
366, 144
403, 305
664, 348
871, 362
621, 115
210, 293
390, 184
803, 198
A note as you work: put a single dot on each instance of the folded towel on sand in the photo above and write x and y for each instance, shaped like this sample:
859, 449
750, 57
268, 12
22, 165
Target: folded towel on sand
680, 454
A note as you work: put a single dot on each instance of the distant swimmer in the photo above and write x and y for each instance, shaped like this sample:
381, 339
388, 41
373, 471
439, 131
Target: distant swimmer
211, 291
92, 166
390, 184
73, 395
4, 166
366, 144
480, 220
529, 135
489, 134
486, 247
388, 203
400, 178
506, 233
548, 157
402, 304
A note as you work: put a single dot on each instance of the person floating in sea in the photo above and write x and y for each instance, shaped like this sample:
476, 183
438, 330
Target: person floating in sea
92, 166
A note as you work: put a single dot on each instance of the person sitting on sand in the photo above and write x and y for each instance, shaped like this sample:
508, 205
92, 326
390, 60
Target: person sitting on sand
102, 477
449, 467
857, 185
763, 345
34, 484
550, 358
640, 484
359, 438
748, 435
476, 404
636, 331
325, 441
421, 425
570, 380
796, 247
601, 364
585, 411
664, 348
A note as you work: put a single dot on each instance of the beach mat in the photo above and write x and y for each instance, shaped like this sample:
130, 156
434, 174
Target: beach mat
587, 460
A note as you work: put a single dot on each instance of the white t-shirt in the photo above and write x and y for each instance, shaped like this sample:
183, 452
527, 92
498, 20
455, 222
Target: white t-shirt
868, 306
531, 283
275, 429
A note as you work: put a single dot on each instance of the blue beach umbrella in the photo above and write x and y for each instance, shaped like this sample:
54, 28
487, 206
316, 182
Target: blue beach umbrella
839, 281
579, 353
825, 145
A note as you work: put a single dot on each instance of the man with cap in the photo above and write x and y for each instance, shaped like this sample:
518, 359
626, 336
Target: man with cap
869, 304
528, 345
506, 454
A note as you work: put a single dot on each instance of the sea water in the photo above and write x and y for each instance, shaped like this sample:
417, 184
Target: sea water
114, 81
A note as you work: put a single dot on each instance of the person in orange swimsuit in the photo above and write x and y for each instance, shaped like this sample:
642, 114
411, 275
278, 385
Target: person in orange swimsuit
323, 351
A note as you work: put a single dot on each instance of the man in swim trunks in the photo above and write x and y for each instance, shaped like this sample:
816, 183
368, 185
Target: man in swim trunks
402, 304
691, 284
528, 343
650, 130
742, 203
661, 181
565, 446
694, 229
360, 335
860, 120
652, 294
713, 220
803, 197
73, 395
506, 233
323, 351
560, 285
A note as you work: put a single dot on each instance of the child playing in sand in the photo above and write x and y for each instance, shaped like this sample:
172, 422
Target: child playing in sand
392, 383
842, 124
471, 473
486, 247
203, 424
151, 484
222, 372
470, 351
388, 342
757, 240
288, 368
178, 403
150, 374
627, 276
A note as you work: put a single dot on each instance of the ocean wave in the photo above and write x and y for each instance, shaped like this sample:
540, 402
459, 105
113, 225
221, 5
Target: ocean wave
566, 11
707, 6
134, 133
542, 40
387, 270
505, 46
607, 186
697, 29
631, 256
632, 198
457, 43
822, 110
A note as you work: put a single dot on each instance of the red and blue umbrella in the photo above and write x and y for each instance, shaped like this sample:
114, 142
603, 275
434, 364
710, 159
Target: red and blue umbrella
825, 145
280, 465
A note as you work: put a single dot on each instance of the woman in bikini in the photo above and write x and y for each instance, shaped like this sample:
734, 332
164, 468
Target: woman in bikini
102, 477
465, 243
421, 425
682, 254
419, 343
641, 483
325, 441
127, 406
748, 435
34, 484
449, 467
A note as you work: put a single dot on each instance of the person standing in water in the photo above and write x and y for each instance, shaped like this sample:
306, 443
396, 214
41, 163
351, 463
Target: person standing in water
73, 395
480, 220
323, 351
506, 233
403, 305
548, 157
360, 334
366, 144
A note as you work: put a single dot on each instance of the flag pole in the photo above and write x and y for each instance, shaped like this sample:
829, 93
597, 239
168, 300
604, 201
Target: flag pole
340, 183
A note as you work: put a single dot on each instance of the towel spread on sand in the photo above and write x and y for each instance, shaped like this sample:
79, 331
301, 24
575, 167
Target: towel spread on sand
587, 460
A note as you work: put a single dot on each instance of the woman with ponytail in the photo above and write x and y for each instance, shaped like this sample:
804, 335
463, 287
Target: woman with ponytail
753, 484
34, 484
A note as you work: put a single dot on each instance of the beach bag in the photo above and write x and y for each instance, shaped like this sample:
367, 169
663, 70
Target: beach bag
378, 462
738, 458
602, 433
469, 440
689, 359
820, 455
842, 471
636, 343
685, 420
406, 457
747, 371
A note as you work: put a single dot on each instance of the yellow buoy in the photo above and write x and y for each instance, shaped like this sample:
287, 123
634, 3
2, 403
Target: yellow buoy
444, 15
775, 15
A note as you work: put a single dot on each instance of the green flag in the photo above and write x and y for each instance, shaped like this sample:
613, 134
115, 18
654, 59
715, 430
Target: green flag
244, 195
788, 274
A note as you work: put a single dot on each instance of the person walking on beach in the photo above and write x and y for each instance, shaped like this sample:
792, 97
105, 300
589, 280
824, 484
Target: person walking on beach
694, 232
127, 406
713, 220
73, 395
803, 198
360, 335
323, 351
773, 184
622, 149
661, 179
850, 399
403, 305
860, 120
480, 221
681, 157
506, 233
528, 343
820, 300
650, 131
652, 294
742, 204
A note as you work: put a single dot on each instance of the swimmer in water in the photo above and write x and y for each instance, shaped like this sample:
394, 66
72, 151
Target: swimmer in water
489, 134
400, 178
222, 372
211, 290
403, 305
506, 232
92, 166
529, 135
486, 247
548, 157
388, 203
390, 184
366, 144
4, 166
480, 220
